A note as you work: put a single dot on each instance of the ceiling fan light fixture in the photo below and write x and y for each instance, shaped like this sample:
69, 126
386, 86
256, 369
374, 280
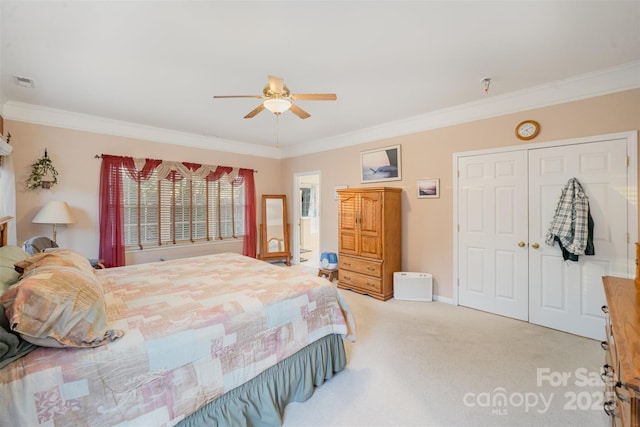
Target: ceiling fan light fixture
277, 105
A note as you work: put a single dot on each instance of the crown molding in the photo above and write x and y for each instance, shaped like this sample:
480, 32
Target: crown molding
31, 113
603, 82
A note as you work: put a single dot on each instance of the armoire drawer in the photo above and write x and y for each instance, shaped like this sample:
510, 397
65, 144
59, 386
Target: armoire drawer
365, 283
359, 265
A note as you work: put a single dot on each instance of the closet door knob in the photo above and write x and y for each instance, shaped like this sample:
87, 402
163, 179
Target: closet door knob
534, 245
521, 244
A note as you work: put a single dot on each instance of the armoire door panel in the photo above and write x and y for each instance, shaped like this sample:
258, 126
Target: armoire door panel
370, 246
348, 243
370, 218
347, 213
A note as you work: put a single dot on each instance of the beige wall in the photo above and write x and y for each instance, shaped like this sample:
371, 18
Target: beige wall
427, 233
427, 236
73, 154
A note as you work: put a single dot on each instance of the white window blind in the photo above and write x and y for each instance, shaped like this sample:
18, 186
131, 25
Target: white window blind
181, 211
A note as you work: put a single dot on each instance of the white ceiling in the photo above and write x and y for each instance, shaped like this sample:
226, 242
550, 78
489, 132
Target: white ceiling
158, 64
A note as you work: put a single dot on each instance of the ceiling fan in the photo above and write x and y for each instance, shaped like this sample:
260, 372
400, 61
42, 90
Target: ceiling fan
278, 99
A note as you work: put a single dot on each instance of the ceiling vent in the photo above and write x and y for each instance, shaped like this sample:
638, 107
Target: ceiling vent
23, 81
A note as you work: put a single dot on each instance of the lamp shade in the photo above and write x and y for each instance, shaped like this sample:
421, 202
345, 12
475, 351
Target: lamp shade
54, 212
277, 105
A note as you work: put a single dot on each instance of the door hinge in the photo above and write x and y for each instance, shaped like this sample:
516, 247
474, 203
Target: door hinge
627, 161
458, 228
458, 173
628, 238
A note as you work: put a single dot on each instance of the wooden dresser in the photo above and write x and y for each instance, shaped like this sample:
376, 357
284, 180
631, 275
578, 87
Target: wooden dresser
369, 231
622, 369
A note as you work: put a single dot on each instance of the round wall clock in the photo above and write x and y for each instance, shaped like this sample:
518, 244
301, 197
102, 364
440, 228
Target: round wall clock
528, 129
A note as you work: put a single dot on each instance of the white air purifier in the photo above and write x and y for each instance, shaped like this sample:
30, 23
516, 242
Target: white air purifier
412, 286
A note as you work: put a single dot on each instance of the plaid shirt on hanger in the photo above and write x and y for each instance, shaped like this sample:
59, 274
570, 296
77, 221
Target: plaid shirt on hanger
571, 219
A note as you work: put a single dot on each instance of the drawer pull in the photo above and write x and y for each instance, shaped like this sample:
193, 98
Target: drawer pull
604, 309
348, 264
347, 278
371, 284
609, 407
371, 268
618, 395
604, 345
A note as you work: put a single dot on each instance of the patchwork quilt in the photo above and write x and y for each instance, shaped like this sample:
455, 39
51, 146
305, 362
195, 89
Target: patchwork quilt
194, 329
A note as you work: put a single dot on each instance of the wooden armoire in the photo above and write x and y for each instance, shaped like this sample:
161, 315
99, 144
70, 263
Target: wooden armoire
369, 239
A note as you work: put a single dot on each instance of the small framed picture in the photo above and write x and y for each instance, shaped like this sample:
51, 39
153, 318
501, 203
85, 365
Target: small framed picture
428, 188
381, 164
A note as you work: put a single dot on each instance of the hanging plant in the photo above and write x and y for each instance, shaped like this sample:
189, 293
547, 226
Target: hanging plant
43, 174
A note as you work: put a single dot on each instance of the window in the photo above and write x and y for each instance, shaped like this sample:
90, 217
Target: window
176, 210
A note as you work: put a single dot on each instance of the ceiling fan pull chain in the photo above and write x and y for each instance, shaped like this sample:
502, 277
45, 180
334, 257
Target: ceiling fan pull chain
276, 131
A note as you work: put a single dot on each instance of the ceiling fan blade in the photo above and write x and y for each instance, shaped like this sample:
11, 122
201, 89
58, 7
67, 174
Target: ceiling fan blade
299, 112
276, 84
314, 97
238, 96
255, 111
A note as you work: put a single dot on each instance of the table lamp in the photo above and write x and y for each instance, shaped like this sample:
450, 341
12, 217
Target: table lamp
54, 212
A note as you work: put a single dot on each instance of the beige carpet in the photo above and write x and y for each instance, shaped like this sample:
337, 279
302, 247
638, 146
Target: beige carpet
434, 364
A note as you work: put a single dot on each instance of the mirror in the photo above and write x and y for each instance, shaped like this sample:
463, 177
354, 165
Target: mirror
274, 230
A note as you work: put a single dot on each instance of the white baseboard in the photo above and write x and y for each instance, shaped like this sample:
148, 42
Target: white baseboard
445, 300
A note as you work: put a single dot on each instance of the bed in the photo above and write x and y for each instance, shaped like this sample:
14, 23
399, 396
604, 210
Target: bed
213, 340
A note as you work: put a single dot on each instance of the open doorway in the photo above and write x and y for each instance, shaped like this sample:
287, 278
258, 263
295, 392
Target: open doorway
306, 221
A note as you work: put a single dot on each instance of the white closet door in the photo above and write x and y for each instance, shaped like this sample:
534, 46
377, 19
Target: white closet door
492, 250
568, 295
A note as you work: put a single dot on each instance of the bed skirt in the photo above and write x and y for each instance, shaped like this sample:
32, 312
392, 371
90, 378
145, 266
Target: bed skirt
262, 400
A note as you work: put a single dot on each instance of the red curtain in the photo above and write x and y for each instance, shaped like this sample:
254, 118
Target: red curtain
138, 176
217, 174
111, 249
249, 245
